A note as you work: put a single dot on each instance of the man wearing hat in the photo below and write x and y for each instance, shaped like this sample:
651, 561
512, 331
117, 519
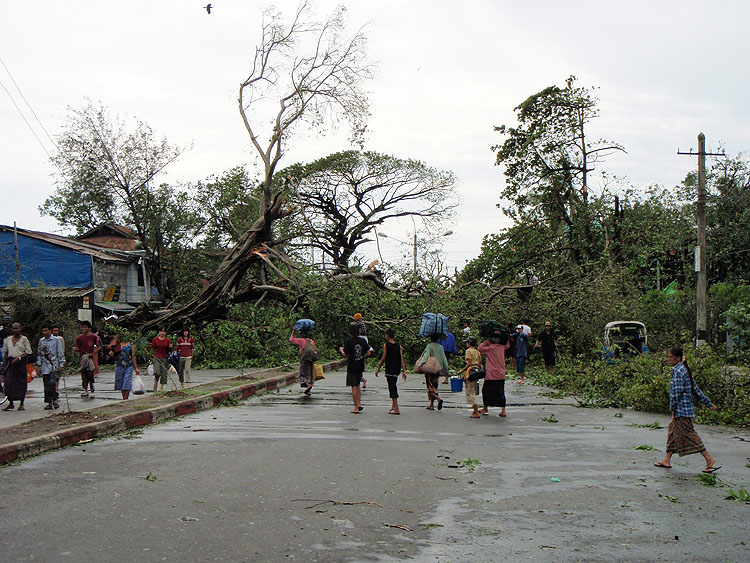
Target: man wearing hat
548, 340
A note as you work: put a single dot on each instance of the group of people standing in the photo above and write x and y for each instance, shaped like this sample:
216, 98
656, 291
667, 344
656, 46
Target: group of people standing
16, 355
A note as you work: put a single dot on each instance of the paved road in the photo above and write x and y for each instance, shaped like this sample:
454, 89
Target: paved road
282, 478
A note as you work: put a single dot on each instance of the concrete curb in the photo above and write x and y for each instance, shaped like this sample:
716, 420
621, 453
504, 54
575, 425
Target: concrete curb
89, 431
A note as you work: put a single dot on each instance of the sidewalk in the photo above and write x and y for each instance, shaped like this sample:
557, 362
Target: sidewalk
104, 395
35, 430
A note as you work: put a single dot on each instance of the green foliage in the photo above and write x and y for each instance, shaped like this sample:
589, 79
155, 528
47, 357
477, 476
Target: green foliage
643, 384
741, 495
708, 479
469, 464
346, 195
645, 448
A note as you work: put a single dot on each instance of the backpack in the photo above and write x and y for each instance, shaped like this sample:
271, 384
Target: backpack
309, 352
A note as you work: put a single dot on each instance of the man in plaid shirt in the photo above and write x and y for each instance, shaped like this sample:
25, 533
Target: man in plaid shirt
682, 438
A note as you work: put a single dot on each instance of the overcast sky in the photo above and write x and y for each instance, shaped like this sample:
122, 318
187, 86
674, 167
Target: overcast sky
447, 73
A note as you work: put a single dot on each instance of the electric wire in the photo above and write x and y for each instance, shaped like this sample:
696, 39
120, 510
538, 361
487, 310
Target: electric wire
27, 103
27, 123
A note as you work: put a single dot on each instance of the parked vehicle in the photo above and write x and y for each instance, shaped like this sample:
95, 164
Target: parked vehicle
624, 338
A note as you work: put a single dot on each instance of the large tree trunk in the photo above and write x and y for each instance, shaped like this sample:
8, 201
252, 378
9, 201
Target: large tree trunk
226, 281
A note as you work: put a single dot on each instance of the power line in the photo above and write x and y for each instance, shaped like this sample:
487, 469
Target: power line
28, 124
27, 103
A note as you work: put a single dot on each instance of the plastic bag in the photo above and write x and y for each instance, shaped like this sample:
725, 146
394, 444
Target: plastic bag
319, 372
30, 372
304, 325
138, 387
150, 370
432, 324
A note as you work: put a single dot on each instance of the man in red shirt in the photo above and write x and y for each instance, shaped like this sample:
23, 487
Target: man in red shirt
161, 346
86, 347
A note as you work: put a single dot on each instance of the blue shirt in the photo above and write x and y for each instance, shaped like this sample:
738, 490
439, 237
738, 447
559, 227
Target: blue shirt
681, 389
522, 345
50, 356
449, 344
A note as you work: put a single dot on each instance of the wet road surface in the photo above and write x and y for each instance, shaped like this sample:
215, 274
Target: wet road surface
282, 477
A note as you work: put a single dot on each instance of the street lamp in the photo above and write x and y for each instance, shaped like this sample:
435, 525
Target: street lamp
383, 235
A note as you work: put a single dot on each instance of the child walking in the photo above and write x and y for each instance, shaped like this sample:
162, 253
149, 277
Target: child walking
393, 356
473, 359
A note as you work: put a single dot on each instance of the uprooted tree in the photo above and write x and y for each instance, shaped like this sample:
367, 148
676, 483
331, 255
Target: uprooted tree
306, 73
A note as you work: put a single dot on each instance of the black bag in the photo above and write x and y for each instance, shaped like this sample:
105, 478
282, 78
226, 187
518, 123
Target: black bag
475, 374
491, 329
309, 352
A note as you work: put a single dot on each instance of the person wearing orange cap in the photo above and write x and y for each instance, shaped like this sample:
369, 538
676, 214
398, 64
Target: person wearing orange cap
360, 324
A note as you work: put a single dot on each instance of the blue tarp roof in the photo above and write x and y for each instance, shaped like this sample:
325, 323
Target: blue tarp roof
42, 263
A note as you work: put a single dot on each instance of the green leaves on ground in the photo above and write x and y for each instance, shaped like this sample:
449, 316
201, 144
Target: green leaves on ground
741, 495
645, 448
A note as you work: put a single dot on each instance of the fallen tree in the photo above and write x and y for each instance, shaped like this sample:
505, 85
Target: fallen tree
304, 73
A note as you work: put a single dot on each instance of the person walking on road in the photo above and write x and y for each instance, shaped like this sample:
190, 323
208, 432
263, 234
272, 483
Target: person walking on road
56, 333
682, 439
16, 351
355, 350
433, 349
362, 328
95, 357
473, 359
121, 350
161, 345
493, 390
50, 359
86, 348
185, 344
308, 354
393, 357
522, 351
548, 341
450, 348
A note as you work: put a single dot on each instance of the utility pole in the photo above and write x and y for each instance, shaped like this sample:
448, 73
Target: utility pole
701, 252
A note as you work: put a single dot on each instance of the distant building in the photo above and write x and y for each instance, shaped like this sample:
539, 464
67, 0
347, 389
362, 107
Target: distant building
103, 269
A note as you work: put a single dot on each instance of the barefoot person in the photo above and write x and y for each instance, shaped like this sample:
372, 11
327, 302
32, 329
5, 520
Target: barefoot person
16, 351
393, 357
682, 439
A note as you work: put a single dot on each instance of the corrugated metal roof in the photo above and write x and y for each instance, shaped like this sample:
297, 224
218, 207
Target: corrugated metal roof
54, 291
115, 306
79, 246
